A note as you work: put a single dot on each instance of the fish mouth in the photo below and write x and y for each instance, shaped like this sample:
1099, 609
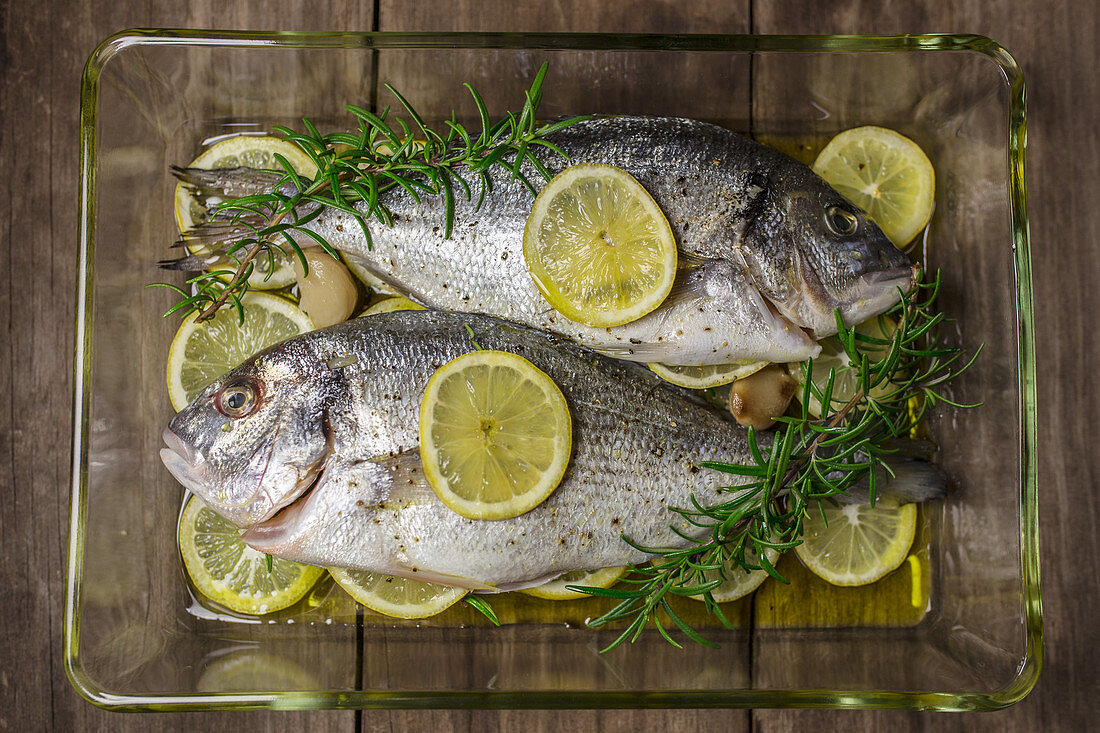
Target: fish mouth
904, 277
187, 464
184, 462
182, 448
876, 292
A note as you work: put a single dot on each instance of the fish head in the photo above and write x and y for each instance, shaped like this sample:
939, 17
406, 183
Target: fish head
254, 439
811, 252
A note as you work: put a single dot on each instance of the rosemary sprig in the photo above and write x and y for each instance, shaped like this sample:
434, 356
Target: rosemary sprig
355, 170
807, 461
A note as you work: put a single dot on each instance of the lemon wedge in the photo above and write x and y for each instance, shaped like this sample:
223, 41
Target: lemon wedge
495, 435
225, 569
556, 589
857, 544
391, 304
737, 582
202, 352
884, 173
598, 247
833, 357
707, 375
248, 151
397, 597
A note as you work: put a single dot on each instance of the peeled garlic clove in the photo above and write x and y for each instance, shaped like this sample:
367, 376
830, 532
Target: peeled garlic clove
328, 292
759, 398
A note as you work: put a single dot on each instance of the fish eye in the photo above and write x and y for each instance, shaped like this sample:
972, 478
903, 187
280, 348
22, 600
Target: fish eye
841, 222
238, 399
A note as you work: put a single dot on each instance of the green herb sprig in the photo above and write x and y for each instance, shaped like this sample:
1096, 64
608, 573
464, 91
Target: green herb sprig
808, 461
355, 170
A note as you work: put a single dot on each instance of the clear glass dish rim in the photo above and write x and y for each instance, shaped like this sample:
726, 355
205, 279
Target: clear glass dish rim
1014, 691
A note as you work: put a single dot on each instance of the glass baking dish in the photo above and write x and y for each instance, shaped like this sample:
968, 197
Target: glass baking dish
957, 628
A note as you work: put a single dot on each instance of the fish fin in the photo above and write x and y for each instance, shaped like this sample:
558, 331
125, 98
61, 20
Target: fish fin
634, 352
381, 483
363, 482
221, 183
690, 282
218, 231
207, 242
522, 584
379, 480
907, 476
457, 581
687, 260
408, 484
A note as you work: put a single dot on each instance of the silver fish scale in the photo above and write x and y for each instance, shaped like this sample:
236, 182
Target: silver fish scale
636, 446
700, 175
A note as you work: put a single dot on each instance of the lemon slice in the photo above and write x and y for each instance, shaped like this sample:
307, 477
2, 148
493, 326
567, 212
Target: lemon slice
738, 582
555, 590
202, 352
598, 247
226, 570
860, 543
397, 597
833, 356
495, 435
708, 375
884, 173
391, 304
247, 151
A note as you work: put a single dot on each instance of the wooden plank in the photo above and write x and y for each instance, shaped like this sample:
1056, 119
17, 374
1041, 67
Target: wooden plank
1056, 55
44, 49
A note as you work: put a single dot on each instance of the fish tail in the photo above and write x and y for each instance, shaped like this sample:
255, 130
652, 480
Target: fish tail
217, 231
907, 476
227, 183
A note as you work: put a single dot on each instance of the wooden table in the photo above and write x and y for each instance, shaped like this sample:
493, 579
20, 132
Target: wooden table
46, 43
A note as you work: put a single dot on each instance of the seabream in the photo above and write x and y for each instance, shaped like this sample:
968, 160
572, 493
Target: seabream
768, 250
312, 447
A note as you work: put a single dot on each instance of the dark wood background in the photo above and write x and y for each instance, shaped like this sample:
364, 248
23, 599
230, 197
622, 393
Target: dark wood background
44, 46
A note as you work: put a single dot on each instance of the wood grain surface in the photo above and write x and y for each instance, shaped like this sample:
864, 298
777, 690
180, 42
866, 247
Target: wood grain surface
43, 48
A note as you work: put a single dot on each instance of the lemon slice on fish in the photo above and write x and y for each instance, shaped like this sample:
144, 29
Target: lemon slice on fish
226, 570
833, 357
857, 544
202, 352
397, 597
737, 582
391, 304
884, 173
707, 375
598, 247
556, 589
249, 151
495, 435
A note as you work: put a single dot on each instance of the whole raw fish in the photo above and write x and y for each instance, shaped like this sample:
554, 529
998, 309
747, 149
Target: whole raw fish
335, 412
768, 250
